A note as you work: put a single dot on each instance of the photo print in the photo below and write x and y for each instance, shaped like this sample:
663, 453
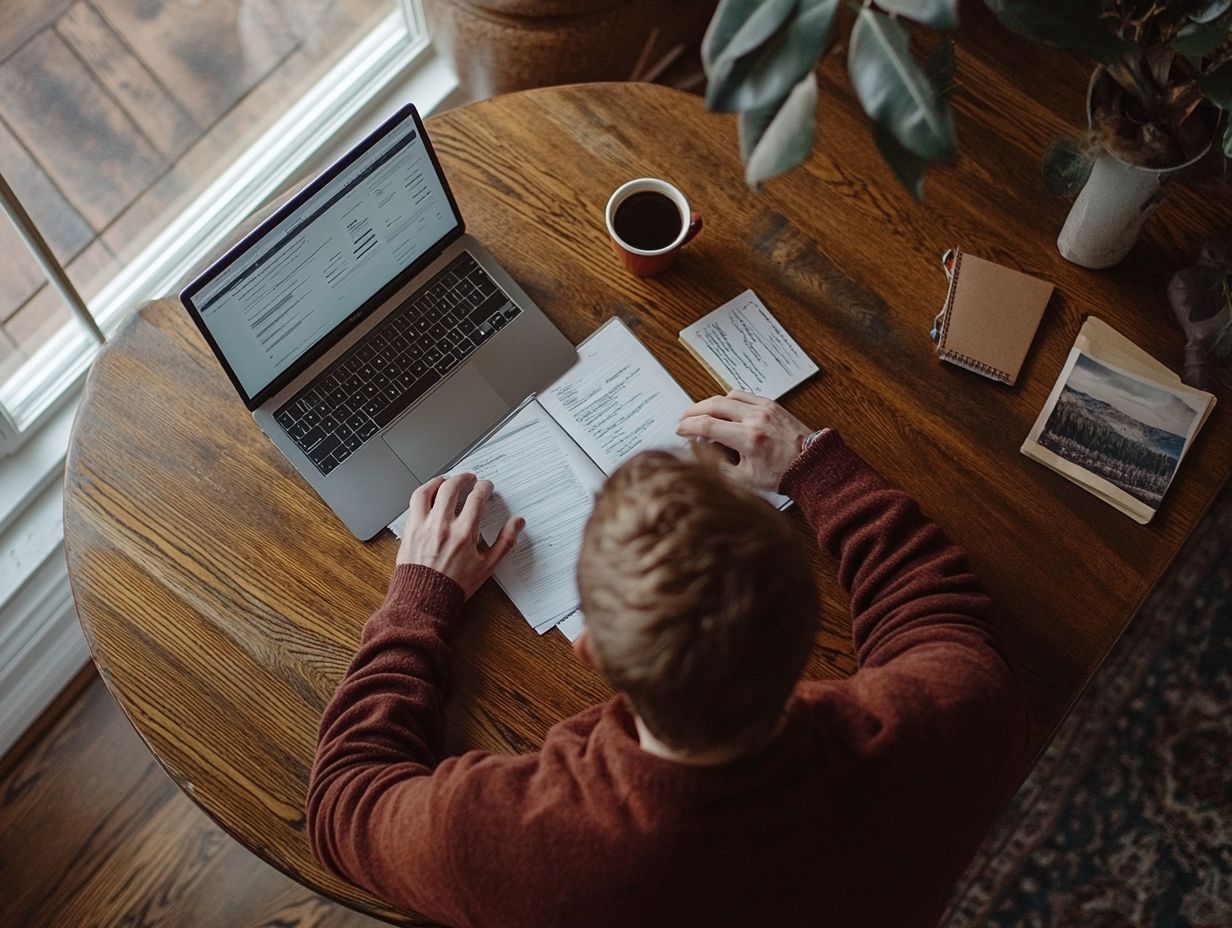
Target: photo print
1127, 430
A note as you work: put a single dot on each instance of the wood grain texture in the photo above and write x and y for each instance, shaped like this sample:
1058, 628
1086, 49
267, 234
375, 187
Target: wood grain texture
51, 97
196, 50
42, 315
162, 121
21, 20
222, 600
92, 833
66, 232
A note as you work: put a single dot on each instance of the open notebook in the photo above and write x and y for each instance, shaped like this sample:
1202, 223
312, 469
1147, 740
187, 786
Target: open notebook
549, 457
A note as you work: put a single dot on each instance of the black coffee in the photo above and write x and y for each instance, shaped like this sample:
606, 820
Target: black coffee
647, 220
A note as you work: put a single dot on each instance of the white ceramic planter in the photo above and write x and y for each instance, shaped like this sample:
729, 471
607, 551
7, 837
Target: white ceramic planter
1106, 219
1111, 209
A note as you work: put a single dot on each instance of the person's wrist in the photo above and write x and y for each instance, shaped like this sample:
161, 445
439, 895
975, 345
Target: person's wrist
426, 588
807, 441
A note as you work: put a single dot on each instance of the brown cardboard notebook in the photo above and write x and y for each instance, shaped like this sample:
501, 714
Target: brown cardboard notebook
990, 317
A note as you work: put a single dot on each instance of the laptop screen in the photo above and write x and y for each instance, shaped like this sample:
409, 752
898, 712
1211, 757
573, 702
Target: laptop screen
318, 264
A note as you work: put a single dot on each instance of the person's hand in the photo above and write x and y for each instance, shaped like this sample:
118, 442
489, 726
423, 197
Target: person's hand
440, 536
766, 436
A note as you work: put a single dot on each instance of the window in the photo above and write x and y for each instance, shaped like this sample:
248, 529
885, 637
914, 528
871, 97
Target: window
137, 134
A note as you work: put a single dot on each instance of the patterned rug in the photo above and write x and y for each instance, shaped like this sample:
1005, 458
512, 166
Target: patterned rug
1126, 821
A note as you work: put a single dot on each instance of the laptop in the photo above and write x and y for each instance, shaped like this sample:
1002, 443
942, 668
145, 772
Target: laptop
373, 339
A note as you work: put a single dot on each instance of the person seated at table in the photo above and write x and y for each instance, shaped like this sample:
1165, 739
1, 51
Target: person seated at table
715, 788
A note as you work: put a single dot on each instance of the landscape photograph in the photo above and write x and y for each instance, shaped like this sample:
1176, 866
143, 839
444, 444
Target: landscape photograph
1120, 428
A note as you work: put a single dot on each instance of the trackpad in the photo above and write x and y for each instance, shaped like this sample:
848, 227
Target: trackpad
446, 423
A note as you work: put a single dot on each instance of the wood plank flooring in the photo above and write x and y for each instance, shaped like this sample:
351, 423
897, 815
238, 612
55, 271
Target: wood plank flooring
115, 113
93, 833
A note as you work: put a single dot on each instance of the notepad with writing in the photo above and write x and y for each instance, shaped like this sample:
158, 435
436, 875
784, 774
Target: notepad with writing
990, 317
745, 348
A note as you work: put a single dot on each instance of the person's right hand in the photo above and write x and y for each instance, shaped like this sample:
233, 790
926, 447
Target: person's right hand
439, 536
764, 434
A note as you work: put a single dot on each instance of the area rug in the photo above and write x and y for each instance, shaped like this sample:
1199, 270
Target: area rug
1126, 820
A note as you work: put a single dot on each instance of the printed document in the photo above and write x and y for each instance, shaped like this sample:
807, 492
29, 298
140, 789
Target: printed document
547, 460
617, 399
745, 348
539, 473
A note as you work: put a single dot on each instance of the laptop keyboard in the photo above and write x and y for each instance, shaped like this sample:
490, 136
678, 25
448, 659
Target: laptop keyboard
396, 363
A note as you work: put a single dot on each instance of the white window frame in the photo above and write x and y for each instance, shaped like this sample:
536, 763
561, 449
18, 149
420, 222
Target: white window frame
41, 644
329, 108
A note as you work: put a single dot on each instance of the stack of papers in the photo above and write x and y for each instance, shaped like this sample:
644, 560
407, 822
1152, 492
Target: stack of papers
1117, 423
549, 457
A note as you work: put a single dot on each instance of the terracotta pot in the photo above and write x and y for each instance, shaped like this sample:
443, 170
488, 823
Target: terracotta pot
502, 45
1114, 204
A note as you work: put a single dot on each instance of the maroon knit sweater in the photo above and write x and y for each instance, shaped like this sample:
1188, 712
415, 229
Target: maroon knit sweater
863, 811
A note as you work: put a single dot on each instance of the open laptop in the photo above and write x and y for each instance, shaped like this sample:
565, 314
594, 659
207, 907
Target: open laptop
372, 338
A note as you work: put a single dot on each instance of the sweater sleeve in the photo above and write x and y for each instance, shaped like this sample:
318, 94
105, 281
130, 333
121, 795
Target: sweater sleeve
908, 583
934, 712
374, 814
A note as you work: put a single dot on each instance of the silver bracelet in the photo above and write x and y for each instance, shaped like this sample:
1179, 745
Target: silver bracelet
810, 438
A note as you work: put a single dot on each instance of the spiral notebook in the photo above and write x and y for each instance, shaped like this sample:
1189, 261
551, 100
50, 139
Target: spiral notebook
990, 317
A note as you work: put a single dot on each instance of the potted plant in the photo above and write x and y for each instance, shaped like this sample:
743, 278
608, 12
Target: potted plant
760, 56
1164, 70
1163, 74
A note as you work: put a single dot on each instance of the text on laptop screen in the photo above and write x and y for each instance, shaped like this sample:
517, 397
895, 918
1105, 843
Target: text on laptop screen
317, 266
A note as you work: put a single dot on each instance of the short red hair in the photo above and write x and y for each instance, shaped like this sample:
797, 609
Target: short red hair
700, 604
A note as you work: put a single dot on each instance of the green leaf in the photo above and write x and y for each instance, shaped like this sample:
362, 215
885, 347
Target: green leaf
940, 14
1067, 165
893, 89
941, 69
1074, 25
907, 166
776, 138
724, 24
1216, 86
766, 75
1195, 41
751, 126
1227, 140
762, 22
1211, 12
727, 35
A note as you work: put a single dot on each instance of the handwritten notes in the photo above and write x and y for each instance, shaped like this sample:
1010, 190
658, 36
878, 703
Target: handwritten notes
745, 348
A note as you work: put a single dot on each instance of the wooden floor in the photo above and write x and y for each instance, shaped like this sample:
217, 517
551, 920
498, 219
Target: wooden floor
93, 833
114, 113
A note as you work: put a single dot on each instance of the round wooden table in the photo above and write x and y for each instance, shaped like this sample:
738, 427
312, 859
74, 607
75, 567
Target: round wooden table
222, 600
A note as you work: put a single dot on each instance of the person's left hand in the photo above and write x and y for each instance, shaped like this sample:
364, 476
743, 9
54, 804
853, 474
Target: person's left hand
440, 536
764, 435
